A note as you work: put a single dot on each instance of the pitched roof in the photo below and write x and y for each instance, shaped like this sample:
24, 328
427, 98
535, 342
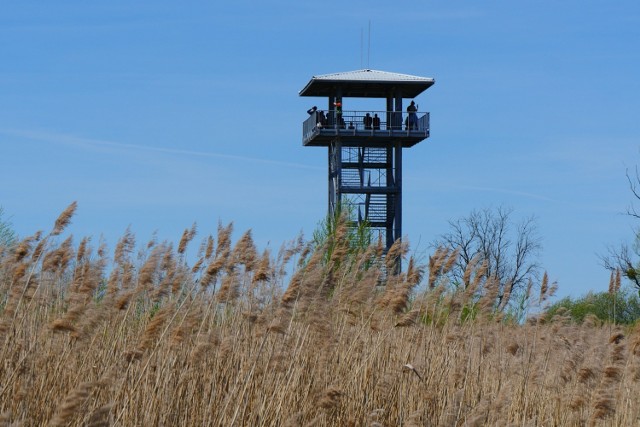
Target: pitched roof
367, 84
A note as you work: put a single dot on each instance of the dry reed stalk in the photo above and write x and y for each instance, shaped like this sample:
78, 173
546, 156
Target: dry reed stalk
487, 302
414, 273
71, 405
197, 266
359, 296
339, 246
40, 247
480, 274
245, 252
5, 419
124, 248
150, 270
546, 291
544, 287
188, 325
451, 261
228, 289
224, 239
22, 249
18, 287
396, 252
396, 295
604, 402
635, 342
155, 326
96, 315
604, 407
469, 270
612, 288
85, 282
291, 249
586, 375
211, 272
307, 274
330, 398
472, 287
83, 250
64, 219
187, 236
101, 417
209, 246
436, 261
199, 351
180, 280
263, 270
505, 297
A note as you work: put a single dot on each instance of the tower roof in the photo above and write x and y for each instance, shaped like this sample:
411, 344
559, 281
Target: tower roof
367, 84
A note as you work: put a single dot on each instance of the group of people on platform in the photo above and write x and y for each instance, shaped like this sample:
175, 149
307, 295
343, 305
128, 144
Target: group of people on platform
370, 123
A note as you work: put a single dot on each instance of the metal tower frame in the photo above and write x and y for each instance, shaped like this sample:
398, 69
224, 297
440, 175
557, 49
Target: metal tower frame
365, 157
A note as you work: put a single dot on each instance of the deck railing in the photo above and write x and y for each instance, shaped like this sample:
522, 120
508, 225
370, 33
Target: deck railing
366, 122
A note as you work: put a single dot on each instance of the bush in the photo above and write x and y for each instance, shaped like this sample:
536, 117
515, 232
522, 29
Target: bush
621, 307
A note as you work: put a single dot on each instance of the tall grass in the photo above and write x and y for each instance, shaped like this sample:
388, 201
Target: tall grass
143, 336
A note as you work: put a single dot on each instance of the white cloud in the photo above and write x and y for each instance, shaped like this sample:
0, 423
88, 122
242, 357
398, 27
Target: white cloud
97, 144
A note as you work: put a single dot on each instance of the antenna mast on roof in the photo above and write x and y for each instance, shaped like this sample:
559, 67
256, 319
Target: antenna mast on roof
369, 47
361, 45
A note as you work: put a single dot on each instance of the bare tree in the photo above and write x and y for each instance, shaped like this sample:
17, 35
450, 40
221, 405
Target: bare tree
625, 258
509, 249
7, 235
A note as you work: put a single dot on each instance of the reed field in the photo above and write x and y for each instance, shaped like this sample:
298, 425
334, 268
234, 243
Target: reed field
213, 332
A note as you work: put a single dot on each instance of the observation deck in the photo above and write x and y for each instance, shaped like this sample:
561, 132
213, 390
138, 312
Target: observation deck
387, 126
378, 129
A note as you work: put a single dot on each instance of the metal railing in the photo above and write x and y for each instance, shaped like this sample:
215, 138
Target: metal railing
373, 122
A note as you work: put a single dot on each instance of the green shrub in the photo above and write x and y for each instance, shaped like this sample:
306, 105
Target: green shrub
622, 307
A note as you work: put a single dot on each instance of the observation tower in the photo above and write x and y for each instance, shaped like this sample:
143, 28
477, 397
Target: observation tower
365, 145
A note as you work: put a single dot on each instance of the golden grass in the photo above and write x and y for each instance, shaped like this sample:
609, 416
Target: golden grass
147, 339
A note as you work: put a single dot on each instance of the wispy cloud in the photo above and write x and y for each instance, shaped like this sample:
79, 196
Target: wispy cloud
90, 143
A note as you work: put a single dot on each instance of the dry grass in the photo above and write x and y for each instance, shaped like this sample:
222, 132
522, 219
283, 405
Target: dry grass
145, 339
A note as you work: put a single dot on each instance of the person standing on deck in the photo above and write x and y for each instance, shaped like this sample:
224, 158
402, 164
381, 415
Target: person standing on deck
339, 121
413, 117
376, 122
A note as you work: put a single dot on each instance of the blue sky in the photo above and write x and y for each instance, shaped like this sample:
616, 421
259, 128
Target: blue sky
156, 115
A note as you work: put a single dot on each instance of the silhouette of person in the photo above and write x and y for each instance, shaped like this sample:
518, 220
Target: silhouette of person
338, 105
376, 122
368, 121
322, 119
412, 117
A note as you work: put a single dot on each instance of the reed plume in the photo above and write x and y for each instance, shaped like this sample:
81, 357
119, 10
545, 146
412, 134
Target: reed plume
64, 219
70, 405
187, 236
